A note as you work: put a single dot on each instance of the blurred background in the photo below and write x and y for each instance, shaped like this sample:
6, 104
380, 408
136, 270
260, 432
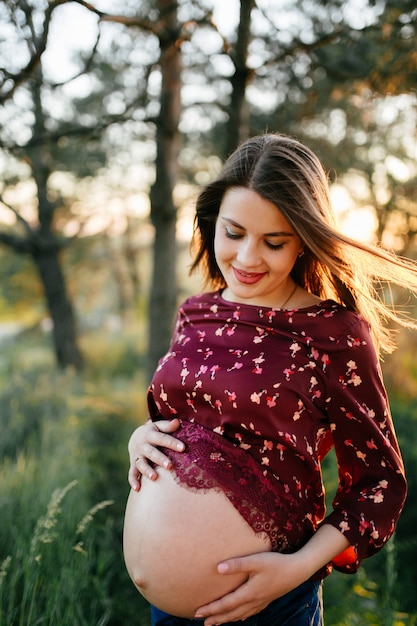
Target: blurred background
112, 115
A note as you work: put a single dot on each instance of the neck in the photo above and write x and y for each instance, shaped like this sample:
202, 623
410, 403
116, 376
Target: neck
290, 295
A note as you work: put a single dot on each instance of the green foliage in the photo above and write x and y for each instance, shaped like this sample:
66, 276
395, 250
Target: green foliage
20, 286
63, 489
382, 593
54, 549
405, 414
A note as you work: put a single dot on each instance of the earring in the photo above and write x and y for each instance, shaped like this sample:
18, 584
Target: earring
301, 253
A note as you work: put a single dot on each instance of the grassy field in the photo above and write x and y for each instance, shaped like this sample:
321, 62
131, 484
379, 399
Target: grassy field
63, 487
63, 484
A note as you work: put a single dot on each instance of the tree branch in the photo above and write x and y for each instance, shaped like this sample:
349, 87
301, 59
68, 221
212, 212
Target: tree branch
87, 65
22, 76
31, 233
18, 244
78, 131
118, 19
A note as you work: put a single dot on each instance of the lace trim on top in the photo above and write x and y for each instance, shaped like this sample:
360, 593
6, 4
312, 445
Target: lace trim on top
211, 462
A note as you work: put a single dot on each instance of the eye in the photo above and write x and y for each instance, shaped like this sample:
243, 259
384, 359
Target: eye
274, 246
231, 234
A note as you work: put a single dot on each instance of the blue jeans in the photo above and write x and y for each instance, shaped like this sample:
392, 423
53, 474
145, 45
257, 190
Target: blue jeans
300, 607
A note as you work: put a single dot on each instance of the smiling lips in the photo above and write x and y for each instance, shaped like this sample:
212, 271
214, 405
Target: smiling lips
248, 278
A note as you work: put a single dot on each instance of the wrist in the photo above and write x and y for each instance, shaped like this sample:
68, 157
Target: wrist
306, 564
324, 545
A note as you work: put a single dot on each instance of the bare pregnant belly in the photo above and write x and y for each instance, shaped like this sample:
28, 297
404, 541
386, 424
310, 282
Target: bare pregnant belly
174, 538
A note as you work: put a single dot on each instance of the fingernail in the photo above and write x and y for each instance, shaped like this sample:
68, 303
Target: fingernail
180, 446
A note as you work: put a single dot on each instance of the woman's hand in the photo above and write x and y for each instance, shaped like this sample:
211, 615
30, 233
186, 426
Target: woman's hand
270, 575
143, 447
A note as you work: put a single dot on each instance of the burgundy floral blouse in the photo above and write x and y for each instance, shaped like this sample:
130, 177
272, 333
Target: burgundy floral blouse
263, 394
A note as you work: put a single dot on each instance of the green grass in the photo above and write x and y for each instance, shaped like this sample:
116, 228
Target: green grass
63, 488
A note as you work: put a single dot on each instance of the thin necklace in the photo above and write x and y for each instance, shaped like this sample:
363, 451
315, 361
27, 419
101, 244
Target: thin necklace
289, 297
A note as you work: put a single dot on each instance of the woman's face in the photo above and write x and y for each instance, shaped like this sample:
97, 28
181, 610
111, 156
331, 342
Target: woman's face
255, 249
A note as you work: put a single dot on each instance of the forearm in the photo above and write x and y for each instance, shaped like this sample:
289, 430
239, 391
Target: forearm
271, 575
326, 543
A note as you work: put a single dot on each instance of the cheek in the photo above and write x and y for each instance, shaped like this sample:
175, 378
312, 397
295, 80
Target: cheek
218, 247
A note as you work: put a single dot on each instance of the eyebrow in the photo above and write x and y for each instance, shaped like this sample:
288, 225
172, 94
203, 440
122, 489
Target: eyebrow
280, 233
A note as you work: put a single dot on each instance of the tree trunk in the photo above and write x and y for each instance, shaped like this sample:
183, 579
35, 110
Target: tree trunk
238, 124
163, 296
45, 246
60, 309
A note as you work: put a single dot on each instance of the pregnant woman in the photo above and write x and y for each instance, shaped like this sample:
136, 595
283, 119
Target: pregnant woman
226, 518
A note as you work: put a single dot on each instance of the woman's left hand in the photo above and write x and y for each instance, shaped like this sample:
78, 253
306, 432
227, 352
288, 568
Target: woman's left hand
269, 576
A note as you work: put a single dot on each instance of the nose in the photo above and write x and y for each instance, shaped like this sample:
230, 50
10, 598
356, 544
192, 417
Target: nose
248, 253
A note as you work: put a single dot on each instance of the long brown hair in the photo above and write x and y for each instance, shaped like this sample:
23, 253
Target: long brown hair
282, 170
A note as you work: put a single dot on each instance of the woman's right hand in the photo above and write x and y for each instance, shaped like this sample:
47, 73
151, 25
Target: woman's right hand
144, 445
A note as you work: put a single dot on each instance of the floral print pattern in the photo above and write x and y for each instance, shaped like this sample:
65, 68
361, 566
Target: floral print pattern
286, 387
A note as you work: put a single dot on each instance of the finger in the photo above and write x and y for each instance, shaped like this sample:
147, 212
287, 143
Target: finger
158, 434
146, 446
239, 614
162, 438
153, 451
133, 478
227, 603
144, 468
231, 608
167, 426
234, 601
224, 618
227, 609
236, 565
